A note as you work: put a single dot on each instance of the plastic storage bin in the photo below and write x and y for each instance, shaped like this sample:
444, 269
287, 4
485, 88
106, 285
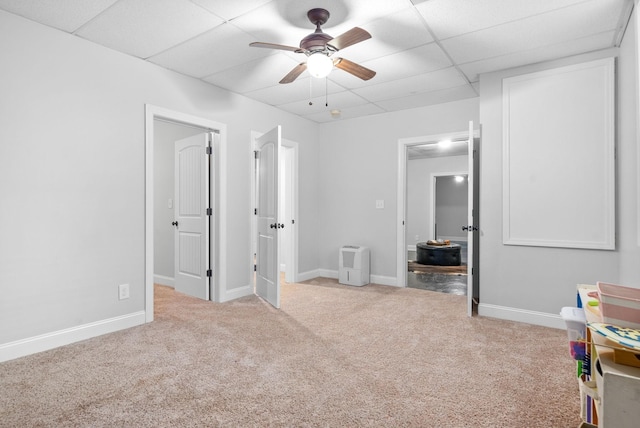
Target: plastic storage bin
576, 322
619, 305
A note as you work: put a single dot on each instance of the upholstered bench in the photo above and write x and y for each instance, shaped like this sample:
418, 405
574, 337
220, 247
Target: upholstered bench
441, 255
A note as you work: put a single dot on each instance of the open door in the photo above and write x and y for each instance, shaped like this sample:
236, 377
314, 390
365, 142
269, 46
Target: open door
192, 215
267, 263
472, 225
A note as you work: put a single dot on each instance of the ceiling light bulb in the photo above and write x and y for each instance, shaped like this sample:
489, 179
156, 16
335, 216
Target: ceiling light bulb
444, 143
319, 65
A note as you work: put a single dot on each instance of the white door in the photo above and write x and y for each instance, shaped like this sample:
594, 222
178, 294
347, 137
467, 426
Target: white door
267, 263
471, 226
192, 215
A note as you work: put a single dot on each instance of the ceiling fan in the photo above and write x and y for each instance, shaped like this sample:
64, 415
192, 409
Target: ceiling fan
319, 47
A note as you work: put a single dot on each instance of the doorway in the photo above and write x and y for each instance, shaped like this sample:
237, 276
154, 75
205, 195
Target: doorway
155, 209
472, 137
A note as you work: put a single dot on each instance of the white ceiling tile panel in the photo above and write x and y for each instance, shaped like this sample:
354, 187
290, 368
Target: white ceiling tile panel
257, 74
429, 98
574, 47
211, 52
449, 18
441, 79
229, 9
143, 28
302, 89
347, 113
339, 100
562, 25
395, 33
66, 15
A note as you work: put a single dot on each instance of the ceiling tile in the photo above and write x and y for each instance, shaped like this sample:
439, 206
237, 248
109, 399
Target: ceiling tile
340, 100
429, 98
66, 15
230, 9
574, 22
219, 49
347, 113
257, 74
302, 89
145, 27
574, 47
427, 82
386, 39
449, 18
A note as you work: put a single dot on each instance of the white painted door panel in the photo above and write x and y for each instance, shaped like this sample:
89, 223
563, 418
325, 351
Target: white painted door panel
267, 263
191, 220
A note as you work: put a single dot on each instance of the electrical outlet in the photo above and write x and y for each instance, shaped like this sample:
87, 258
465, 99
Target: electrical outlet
123, 291
417, 237
380, 204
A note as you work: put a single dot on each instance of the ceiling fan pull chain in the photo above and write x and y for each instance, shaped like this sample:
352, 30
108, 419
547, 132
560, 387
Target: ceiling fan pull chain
310, 102
326, 92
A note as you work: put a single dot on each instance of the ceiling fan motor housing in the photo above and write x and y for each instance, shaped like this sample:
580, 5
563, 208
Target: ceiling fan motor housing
315, 41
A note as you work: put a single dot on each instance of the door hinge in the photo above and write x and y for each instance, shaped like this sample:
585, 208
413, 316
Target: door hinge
209, 211
255, 268
255, 211
255, 154
293, 221
209, 150
209, 273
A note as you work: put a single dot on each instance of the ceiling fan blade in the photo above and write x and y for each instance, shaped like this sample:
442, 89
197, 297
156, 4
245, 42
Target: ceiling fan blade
276, 46
351, 37
356, 69
293, 74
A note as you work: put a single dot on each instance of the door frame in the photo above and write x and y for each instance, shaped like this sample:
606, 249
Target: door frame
291, 274
153, 113
432, 213
401, 239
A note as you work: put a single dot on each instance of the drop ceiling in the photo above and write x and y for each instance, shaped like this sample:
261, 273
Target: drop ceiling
425, 52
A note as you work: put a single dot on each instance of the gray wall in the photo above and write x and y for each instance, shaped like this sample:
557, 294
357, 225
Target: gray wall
543, 279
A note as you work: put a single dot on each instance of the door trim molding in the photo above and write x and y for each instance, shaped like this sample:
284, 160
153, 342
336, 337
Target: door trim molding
153, 113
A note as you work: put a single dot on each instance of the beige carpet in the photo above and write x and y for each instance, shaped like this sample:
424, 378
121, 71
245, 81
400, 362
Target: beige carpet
333, 356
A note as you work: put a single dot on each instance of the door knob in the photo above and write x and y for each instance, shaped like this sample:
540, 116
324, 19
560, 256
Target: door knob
174, 223
470, 228
281, 226
273, 226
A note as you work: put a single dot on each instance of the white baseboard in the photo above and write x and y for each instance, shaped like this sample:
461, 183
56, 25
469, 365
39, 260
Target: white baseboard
521, 315
311, 274
384, 280
164, 280
44, 342
236, 293
374, 279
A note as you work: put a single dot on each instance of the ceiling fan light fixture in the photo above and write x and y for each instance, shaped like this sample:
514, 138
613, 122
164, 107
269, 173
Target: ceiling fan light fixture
319, 65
